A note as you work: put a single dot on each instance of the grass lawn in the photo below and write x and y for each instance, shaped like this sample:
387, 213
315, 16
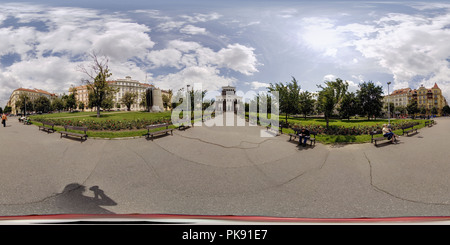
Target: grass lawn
106, 116
122, 116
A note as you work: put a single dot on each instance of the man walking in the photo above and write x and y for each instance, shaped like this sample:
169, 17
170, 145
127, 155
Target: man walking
4, 120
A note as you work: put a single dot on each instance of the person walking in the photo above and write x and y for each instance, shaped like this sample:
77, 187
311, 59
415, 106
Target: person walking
4, 118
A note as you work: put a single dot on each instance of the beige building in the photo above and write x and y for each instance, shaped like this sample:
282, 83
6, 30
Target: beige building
425, 97
122, 86
32, 94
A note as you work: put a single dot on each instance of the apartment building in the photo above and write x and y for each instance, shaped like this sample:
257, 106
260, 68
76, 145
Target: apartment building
32, 94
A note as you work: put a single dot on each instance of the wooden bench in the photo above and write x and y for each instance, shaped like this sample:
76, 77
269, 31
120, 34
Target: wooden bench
47, 126
376, 139
68, 133
162, 131
312, 136
183, 125
409, 129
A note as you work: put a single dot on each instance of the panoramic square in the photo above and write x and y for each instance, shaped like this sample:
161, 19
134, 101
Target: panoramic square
225, 111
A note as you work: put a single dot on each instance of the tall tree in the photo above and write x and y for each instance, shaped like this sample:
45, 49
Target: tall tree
289, 97
349, 106
57, 104
42, 104
306, 105
98, 73
370, 97
330, 97
128, 99
24, 103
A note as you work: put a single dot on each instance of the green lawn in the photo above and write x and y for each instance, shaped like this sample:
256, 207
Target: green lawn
121, 117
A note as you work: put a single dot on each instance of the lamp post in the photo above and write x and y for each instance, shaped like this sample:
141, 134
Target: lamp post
389, 106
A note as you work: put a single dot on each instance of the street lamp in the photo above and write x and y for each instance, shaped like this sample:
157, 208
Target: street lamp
389, 106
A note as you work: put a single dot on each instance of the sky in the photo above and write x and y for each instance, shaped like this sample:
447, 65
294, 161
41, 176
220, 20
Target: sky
248, 44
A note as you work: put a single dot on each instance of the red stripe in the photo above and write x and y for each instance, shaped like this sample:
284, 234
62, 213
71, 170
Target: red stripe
228, 218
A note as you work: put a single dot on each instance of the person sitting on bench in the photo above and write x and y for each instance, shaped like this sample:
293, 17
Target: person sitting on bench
303, 134
387, 132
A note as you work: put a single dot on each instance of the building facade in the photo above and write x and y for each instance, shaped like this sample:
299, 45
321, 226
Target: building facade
228, 101
122, 86
32, 94
427, 98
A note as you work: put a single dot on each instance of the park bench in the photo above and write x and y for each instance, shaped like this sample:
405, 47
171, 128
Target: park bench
409, 129
311, 139
184, 124
69, 133
429, 123
162, 131
376, 139
47, 126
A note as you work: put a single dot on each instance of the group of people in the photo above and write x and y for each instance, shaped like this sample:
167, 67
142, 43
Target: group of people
4, 118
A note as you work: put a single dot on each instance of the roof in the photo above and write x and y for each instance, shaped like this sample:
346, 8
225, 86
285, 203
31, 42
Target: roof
435, 85
40, 91
401, 91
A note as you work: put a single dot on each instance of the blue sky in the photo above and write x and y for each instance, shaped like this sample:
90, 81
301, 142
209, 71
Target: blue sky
248, 44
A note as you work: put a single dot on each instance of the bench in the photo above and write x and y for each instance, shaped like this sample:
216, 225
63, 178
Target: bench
68, 133
409, 129
47, 126
183, 125
162, 131
312, 136
280, 127
374, 140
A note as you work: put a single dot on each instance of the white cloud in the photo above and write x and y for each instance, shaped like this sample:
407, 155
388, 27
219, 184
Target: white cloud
193, 30
259, 85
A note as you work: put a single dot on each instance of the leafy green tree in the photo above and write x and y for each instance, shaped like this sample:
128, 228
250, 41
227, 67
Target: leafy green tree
370, 98
349, 106
330, 97
24, 103
412, 108
7, 109
434, 111
147, 99
42, 104
129, 99
307, 102
81, 105
289, 97
57, 104
445, 110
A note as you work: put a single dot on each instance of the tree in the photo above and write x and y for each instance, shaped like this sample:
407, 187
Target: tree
434, 111
7, 109
306, 101
99, 88
166, 101
445, 110
330, 96
370, 98
24, 103
81, 105
128, 99
42, 104
349, 106
289, 96
412, 108
57, 104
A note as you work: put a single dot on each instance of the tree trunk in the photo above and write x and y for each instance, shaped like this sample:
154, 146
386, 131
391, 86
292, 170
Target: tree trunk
98, 111
286, 118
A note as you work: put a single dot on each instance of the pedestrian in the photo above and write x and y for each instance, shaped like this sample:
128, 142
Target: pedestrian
304, 134
4, 119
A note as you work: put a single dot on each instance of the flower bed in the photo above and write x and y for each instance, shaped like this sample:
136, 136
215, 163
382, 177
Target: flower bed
107, 125
354, 130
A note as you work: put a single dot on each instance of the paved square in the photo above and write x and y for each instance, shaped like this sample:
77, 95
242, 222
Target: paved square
223, 171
